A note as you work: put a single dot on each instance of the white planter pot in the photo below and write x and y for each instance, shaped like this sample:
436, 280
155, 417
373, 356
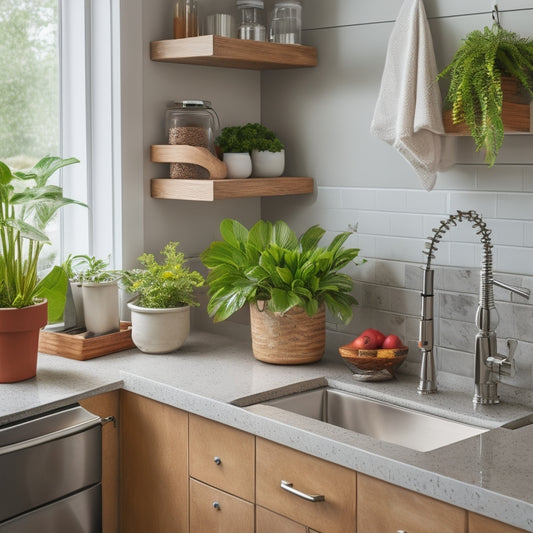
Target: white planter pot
159, 330
77, 298
267, 164
100, 307
239, 165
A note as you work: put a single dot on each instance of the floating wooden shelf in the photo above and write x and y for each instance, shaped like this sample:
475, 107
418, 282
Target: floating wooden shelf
215, 51
517, 119
209, 190
197, 155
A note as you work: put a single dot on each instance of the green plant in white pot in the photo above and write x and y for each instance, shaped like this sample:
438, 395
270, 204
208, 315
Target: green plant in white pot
235, 150
95, 292
267, 151
286, 281
164, 294
27, 302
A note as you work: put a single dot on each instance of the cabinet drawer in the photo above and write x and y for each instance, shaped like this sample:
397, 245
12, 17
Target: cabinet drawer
309, 475
222, 456
215, 511
385, 507
482, 524
269, 522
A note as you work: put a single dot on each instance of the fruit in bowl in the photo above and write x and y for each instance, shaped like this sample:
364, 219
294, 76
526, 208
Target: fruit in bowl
374, 351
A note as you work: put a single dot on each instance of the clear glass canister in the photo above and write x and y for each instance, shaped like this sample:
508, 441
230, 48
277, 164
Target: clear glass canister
252, 20
193, 123
286, 22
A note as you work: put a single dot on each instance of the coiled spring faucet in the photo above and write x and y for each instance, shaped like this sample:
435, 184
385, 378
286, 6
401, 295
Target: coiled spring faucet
489, 364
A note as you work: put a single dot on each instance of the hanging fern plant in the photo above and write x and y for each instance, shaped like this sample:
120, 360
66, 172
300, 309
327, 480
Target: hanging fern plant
475, 92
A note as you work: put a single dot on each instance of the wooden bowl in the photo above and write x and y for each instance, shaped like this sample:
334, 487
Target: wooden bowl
375, 360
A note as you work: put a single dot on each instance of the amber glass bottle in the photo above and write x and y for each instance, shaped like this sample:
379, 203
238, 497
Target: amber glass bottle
185, 19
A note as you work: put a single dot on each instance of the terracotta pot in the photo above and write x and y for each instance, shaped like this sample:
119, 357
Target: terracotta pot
292, 338
19, 341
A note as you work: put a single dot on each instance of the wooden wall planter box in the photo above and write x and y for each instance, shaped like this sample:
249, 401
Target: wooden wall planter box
517, 118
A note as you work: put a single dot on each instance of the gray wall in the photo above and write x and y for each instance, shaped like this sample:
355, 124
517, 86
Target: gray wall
323, 116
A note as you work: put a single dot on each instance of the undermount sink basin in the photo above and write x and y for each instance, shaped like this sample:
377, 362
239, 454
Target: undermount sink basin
383, 421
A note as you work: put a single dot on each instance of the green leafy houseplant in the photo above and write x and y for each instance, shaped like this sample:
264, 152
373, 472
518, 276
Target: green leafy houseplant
475, 91
269, 263
80, 268
163, 285
27, 204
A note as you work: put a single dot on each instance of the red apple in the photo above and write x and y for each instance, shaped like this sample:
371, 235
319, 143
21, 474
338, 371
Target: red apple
392, 341
370, 339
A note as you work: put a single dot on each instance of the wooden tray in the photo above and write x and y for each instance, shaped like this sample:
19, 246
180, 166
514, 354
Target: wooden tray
81, 348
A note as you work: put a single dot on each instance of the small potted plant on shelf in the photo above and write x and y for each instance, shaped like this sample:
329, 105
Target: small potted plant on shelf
235, 148
27, 301
268, 152
95, 293
286, 281
164, 294
481, 70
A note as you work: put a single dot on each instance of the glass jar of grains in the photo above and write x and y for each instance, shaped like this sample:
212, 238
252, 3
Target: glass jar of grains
193, 123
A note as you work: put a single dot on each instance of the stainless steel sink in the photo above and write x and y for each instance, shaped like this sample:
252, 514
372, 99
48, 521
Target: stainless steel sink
383, 421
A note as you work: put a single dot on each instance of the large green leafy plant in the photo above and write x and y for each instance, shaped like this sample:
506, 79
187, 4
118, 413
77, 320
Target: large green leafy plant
268, 262
27, 205
163, 285
475, 91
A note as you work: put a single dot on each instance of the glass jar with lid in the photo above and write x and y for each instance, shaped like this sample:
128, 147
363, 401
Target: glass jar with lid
252, 20
286, 22
192, 123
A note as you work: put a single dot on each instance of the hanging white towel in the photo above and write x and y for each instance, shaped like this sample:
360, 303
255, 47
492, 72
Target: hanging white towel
408, 113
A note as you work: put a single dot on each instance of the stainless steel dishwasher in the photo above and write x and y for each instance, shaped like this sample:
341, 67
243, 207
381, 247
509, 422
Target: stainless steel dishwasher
50, 473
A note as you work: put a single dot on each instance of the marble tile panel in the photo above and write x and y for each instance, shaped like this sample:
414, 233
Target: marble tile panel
405, 301
458, 306
457, 335
455, 362
390, 273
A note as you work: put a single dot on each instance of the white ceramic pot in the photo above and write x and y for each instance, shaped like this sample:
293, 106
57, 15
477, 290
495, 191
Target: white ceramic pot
100, 307
239, 165
159, 330
267, 164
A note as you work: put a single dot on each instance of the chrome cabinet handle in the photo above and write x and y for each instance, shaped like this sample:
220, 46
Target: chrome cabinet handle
217, 460
285, 485
216, 506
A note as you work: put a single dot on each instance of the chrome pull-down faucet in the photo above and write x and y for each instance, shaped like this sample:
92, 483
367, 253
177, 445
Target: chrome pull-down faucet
489, 364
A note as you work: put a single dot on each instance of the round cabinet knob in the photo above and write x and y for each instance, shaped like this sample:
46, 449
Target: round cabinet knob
217, 460
401, 531
216, 506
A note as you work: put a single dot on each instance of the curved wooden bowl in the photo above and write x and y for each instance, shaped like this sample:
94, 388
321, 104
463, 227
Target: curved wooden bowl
376, 360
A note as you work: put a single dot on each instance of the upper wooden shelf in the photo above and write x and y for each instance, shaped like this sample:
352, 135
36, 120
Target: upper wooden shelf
209, 190
215, 51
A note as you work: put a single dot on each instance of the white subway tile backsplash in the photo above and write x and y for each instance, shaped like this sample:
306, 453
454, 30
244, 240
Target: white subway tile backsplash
392, 200
460, 177
490, 178
517, 206
358, 199
528, 233
374, 223
406, 225
398, 249
426, 202
483, 203
390, 273
515, 260
329, 197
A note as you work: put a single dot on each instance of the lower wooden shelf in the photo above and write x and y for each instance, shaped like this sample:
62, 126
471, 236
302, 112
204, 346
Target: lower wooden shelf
210, 190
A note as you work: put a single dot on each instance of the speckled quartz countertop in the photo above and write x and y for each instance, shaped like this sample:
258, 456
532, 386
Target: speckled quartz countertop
217, 377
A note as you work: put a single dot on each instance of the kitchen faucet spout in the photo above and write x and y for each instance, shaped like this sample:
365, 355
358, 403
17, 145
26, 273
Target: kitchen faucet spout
489, 364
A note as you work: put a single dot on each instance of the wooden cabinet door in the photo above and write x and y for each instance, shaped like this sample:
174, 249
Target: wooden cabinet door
276, 463
269, 522
154, 477
105, 405
382, 507
215, 511
222, 456
482, 524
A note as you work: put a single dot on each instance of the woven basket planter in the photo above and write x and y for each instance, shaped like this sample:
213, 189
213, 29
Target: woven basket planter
292, 338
